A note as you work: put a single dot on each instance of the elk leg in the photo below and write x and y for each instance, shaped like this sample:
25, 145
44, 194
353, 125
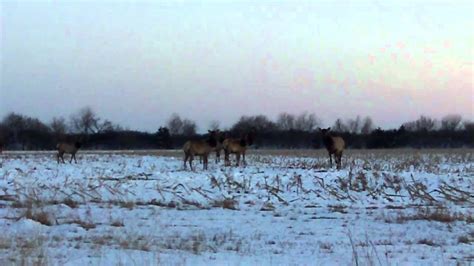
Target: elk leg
218, 156
191, 157
205, 162
186, 156
339, 159
226, 158
237, 156
243, 159
330, 160
61, 155
75, 161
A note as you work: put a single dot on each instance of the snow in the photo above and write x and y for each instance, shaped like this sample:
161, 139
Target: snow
286, 209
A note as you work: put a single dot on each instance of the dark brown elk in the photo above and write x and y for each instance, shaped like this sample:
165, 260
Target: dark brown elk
334, 145
199, 148
237, 146
70, 148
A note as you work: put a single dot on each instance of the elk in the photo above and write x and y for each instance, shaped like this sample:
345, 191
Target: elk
219, 146
334, 145
220, 137
238, 147
71, 148
199, 148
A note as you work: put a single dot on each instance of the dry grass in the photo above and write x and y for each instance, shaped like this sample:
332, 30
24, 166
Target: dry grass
230, 204
127, 204
464, 240
84, 224
39, 216
428, 242
71, 203
437, 214
326, 247
117, 223
24, 251
136, 243
277, 194
337, 208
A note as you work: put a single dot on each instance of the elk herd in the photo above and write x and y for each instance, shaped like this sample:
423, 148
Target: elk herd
217, 141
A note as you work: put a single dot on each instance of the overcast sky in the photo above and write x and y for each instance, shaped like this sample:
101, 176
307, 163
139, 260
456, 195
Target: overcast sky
136, 63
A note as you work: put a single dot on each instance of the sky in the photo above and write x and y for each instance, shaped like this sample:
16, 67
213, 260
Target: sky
137, 62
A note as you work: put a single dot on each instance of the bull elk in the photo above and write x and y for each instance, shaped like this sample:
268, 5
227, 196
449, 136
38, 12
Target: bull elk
237, 146
334, 145
199, 148
71, 148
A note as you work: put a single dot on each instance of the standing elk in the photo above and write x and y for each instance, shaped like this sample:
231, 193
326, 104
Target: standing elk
237, 147
71, 148
199, 148
334, 145
219, 147
220, 137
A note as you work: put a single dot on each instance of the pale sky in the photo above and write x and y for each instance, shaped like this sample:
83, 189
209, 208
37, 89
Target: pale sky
137, 62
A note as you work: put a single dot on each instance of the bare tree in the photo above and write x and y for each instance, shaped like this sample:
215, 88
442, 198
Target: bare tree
468, 126
285, 121
259, 122
214, 125
14, 121
367, 125
15, 124
354, 125
85, 121
174, 124
58, 126
178, 126
409, 126
25, 132
189, 128
306, 122
106, 126
423, 123
339, 126
451, 122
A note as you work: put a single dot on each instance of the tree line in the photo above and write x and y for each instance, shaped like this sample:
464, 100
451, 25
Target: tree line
290, 131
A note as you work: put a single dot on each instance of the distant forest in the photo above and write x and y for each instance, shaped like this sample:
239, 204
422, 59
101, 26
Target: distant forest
288, 131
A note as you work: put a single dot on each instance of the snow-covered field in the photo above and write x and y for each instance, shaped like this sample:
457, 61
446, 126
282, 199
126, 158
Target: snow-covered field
283, 208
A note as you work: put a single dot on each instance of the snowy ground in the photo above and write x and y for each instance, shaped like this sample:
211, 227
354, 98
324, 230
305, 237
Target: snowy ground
284, 208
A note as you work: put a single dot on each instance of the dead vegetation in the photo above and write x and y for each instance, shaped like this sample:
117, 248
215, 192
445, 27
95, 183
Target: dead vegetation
84, 224
464, 240
366, 187
39, 216
427, 213
428, 242
230, 204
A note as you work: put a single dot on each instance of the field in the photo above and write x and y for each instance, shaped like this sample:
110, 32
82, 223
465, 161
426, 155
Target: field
284, 208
